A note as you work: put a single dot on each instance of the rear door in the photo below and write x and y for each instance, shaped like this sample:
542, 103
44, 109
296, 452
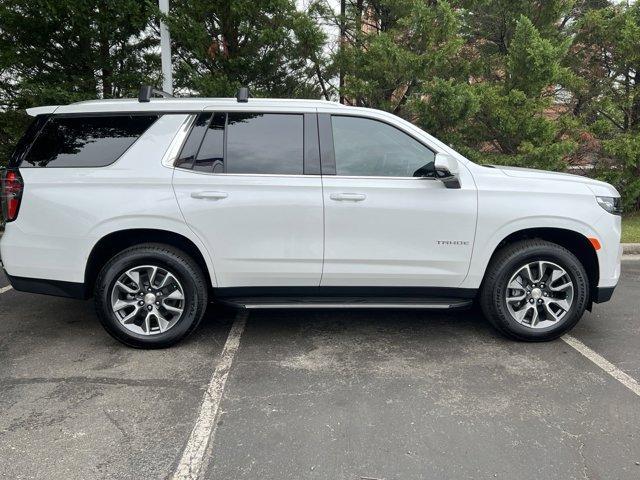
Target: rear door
248, 185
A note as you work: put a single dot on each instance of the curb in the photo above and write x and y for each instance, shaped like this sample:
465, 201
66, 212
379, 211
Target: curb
631, 248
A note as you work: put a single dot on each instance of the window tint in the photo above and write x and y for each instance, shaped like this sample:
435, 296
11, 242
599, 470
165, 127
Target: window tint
192, 144
365, 147
86, 141
211, 155
264, 143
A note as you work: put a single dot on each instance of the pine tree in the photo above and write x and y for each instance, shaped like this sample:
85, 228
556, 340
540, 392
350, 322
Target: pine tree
609, 95
60, 52
514, 123
391, 48
268, 46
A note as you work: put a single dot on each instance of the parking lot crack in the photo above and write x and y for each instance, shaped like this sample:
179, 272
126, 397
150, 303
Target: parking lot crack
578, 438
131, 382
585, 474
116, 424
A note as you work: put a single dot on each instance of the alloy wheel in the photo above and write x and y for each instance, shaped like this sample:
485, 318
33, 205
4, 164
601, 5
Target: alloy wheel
147, 300
539, 294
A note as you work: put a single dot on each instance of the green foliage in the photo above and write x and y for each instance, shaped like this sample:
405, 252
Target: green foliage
536, 83
221, 45
12, 124
62, 52
533, 62
610, 58
444, 107
513, 130
631, 228
72, 50
387, 63
512, 116
625, 174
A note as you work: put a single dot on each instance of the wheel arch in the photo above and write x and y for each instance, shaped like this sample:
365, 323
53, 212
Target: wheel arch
114, 242
575, 242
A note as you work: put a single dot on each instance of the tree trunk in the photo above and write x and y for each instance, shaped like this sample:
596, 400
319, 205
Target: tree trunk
107, 72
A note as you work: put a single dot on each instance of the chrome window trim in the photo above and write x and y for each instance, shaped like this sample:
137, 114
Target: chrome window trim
379, 177
301, 175
171, 155
248, 174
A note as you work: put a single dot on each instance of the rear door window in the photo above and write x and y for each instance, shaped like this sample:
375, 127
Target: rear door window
211, 155
247, 143
193, 141
265, 143
94, 141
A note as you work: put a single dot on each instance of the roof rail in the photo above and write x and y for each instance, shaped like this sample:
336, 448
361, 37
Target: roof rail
243, 95
147, 91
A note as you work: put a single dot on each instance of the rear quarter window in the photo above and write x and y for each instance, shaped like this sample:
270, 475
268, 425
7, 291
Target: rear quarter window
23, 145
91, 141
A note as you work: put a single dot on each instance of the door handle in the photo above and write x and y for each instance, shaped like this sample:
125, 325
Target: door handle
210, 195
353, 197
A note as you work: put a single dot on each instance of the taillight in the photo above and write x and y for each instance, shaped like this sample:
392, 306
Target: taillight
12, 186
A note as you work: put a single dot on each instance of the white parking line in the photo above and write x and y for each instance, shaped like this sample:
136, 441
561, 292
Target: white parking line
625, 379
203, 433
5, 289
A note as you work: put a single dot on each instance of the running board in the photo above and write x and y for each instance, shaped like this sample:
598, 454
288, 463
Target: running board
348, 303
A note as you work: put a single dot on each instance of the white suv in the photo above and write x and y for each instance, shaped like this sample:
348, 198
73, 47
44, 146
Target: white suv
156, 207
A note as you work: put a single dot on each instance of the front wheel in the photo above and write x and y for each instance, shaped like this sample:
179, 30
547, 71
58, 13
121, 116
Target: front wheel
150, 296
534, 290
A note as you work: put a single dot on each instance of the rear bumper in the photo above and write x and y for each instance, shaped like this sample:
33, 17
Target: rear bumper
48, 287
602, 294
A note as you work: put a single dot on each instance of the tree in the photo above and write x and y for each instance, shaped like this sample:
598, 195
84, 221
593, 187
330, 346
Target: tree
221, 45
502, 110
537, 83
391, 48
514, 115
61, 52
609, 96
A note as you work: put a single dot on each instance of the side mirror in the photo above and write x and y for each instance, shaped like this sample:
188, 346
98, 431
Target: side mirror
447, 170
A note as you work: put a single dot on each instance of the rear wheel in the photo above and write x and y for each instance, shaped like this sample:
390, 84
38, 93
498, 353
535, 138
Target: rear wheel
534, 290
150, 296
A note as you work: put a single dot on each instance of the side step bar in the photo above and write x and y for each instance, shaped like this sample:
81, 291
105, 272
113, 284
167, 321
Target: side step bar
348, 303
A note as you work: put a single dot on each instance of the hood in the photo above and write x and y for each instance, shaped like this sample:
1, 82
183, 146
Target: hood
596, 186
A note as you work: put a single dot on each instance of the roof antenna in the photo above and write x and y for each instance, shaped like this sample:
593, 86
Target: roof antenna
147, 91
243, 95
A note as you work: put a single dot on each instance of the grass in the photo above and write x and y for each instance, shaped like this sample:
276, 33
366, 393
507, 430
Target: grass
631, 228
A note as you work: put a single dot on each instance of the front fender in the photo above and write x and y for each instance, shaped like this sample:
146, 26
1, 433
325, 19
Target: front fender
486, 245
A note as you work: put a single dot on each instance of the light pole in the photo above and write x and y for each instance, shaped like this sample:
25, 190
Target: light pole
165, 50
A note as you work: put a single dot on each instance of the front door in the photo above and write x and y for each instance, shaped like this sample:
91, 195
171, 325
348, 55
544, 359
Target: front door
245, 186
383, 226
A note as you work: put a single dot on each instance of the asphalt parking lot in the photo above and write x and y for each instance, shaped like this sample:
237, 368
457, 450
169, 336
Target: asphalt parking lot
320, 395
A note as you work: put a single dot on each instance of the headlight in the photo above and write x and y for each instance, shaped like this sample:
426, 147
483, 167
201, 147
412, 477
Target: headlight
610, 204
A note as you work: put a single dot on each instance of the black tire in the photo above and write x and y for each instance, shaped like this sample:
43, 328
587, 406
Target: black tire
505, 264
182, 266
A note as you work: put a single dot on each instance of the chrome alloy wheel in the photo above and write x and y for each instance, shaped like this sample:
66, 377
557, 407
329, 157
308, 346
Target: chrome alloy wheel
147, 300
539, 294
